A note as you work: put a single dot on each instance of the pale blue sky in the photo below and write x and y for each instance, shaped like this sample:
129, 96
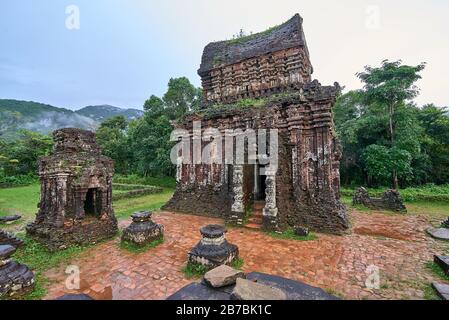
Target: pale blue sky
127, 50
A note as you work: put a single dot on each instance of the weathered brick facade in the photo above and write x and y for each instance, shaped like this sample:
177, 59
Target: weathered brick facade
263, 81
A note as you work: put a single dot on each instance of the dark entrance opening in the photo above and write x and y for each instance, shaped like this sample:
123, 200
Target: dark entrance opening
92, 205
262, 187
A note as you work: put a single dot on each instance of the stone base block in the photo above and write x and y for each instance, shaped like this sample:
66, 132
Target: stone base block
79, 233
142, 230
270, 223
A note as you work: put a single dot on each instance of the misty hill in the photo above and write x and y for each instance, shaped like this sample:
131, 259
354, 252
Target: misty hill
16, 115
103, 112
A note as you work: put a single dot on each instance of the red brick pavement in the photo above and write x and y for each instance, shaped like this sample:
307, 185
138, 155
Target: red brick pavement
396, 244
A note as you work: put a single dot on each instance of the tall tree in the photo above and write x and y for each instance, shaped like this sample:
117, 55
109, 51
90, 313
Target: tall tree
391, 85
181, 97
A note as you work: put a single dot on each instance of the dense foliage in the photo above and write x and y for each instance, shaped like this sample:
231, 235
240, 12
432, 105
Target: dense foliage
18, 159
142, 146
388, 140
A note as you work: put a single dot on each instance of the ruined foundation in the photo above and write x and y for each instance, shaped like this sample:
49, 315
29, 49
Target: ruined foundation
76, 193
391, 200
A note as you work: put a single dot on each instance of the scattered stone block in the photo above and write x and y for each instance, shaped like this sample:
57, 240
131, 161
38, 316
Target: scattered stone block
213, 250
15, 279
301, 231
443, 262
249, 290
294, 290
9, 239
75, 297
10, 219
222, 276
142, 230
439, 233
442, 290
391, 200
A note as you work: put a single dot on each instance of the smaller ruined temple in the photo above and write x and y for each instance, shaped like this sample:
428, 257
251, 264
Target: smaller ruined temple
76, 192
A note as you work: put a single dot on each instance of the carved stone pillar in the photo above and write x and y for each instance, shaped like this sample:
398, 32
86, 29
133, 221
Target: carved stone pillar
238, 208
270, 212
61, 192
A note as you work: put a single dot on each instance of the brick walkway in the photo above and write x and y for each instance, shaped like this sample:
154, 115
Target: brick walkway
396, 244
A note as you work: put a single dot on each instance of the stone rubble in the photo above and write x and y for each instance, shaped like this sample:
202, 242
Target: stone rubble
222, 276
15, 279
391, 200
249, 290
9, 239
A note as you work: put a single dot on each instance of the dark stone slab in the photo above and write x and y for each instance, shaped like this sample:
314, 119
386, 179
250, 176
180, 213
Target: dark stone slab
442, 290
439, 233
6, 251
75, 297
294, 290
443, 262
9, 219
200, 291
9, 239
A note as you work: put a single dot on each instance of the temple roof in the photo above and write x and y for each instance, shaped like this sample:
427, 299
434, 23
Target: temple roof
285, 36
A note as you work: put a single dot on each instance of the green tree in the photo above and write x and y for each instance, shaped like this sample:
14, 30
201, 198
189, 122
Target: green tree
390, 86
112, 136
181, 97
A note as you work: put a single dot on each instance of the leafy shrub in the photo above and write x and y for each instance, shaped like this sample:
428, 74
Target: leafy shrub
17, 181
163, 182
429, 192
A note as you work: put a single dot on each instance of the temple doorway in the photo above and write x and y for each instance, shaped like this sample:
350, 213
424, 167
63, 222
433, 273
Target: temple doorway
92, 205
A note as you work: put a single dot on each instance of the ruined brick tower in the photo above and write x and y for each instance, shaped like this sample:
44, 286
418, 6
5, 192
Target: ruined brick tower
76, 192
263, 81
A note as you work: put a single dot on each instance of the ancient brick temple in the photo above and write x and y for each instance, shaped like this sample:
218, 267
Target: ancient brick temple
76, 192
263, 81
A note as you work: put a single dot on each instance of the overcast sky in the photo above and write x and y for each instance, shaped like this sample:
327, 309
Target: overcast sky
126, 50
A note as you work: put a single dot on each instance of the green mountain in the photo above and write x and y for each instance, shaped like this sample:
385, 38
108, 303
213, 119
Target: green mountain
103, 112
16, 115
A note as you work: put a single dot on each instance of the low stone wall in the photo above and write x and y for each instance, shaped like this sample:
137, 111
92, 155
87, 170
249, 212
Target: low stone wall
390, 200
134, 191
